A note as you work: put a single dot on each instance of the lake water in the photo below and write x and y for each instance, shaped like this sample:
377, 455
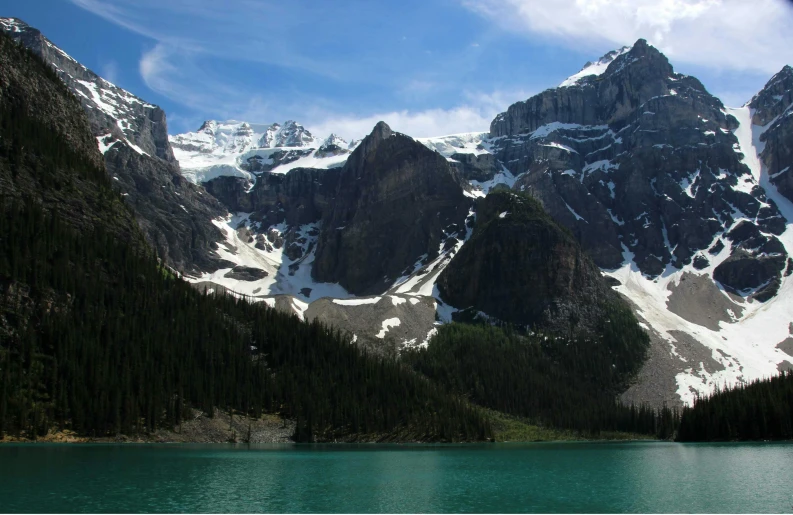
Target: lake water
547, 477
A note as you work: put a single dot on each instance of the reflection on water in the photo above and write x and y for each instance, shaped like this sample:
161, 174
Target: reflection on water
574, 477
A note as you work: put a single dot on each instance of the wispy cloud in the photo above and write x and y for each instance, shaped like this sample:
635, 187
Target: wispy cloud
306, 60
109, 71
731, 34
474, 115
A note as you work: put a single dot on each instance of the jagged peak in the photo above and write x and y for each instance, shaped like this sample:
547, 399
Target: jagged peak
336, 140
209, 126
597, 67
16, 23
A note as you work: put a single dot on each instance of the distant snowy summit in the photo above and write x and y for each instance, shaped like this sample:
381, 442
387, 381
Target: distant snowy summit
594, 68
243, 149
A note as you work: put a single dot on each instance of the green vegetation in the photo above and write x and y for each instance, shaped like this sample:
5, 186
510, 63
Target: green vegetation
551, 381
98, 340
761, 410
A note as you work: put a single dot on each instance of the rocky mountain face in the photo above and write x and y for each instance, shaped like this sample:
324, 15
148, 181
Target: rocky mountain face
110, 109
397, 204
772, 111
33, 102
519, 266
642, 160
175, 215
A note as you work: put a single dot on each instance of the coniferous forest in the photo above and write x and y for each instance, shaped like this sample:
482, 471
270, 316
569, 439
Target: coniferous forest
551, 380
105, 341
761, 410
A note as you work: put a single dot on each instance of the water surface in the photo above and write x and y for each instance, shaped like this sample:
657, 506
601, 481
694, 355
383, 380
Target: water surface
564, 477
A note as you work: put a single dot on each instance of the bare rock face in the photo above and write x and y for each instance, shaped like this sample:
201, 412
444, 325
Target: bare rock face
773, 114
473, 167
173, 213
523, 268
395, 203
638, 159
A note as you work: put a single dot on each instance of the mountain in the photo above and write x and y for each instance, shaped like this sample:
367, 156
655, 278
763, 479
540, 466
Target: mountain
652, 174
520, 267
670, 193
242, 149
175, 215
397, 206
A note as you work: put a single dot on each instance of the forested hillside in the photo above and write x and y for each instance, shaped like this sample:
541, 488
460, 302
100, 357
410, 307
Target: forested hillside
761, 410
551, 380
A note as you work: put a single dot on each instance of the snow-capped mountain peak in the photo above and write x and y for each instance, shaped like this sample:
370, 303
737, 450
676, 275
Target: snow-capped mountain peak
594, 68
244, 149
110, 109
336, 140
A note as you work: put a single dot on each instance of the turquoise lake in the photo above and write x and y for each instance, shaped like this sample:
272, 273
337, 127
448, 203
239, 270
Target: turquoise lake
546, 477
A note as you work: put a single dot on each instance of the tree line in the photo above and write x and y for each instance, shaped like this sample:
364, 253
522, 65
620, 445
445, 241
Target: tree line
760, 410
554, 381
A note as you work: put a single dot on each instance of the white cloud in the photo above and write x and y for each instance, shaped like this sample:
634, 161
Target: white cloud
473, 116
176, 74
110, 71
731, 34
419, 124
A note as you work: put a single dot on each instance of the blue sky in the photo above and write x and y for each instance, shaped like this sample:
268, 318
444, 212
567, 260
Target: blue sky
427, 67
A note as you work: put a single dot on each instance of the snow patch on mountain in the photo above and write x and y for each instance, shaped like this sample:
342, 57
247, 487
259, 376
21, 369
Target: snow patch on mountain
284, 275
463, 143
594, 68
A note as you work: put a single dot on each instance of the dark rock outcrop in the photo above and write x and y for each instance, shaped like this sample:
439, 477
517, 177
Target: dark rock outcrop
473, 167
639, 159
744, 272
246, 273
523, 268
396, 202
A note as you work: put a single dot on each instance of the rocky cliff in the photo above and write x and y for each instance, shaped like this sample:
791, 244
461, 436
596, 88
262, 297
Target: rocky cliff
396, 204
772, 117
175, 215
110, 109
